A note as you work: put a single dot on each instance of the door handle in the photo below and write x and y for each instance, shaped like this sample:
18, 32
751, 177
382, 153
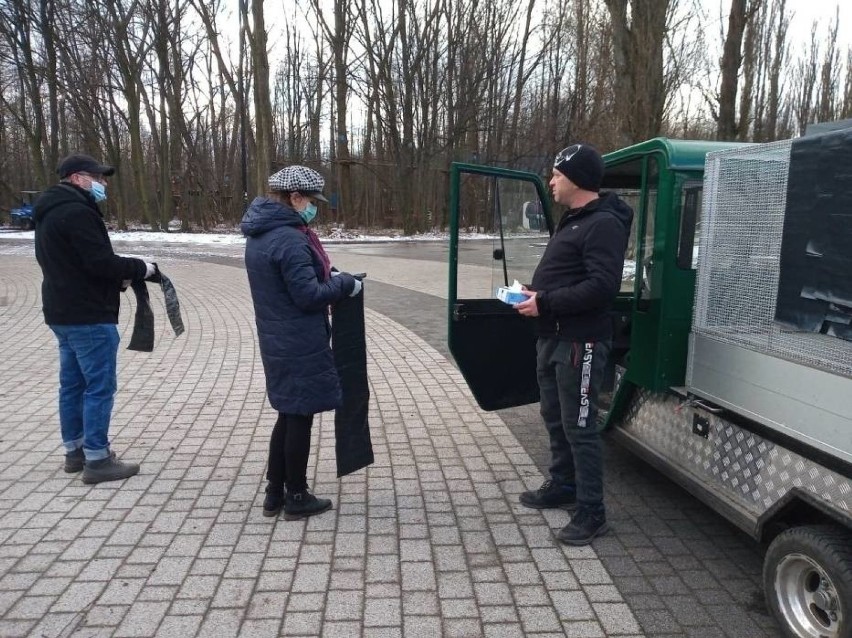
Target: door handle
712, 409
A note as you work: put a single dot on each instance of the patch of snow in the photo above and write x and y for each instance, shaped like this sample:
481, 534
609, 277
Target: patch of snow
327, 235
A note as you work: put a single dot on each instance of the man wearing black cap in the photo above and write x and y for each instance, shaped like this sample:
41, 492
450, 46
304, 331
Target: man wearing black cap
571, 293
80, 295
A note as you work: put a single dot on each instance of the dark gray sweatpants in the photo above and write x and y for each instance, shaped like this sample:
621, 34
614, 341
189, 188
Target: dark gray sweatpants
570, 375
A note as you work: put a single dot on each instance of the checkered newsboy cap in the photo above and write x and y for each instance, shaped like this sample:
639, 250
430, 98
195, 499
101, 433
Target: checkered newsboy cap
299, 179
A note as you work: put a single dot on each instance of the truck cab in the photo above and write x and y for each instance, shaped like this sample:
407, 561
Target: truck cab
748, 413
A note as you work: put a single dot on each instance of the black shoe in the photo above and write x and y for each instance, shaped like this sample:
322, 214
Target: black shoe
585, 525
550, 496
74, 461
274, 500
108, 469
303, 504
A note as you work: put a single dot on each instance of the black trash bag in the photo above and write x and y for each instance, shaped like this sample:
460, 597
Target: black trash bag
142, 339
351, 422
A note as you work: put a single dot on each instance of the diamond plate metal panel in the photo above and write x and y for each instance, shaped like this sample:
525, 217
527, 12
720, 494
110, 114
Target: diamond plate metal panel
748, 469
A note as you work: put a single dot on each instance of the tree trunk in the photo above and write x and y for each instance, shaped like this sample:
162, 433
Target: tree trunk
638, 50
726, 128
779, 56
262, 104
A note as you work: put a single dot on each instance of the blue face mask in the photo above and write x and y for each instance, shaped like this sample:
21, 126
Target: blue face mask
309, 213
98, 191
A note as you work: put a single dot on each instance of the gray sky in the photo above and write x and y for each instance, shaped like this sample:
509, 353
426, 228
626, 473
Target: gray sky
804, 14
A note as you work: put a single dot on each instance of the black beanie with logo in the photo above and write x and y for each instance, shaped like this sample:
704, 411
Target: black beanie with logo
583, 165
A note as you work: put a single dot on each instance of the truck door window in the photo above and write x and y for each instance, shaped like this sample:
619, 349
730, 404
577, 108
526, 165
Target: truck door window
690, 225
511, 212
631, 197
636, 182
521, 229
649, 208
626, 181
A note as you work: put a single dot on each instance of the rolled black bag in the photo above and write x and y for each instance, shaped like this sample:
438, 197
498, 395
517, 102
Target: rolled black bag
142, 339
354, 449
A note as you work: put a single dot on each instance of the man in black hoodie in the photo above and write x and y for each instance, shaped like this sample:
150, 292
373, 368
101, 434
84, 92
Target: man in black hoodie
572, 291
80, 294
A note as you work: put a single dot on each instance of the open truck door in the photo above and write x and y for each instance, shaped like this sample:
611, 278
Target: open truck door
492, 344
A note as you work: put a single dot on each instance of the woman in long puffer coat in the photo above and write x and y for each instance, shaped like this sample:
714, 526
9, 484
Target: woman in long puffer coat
292, 287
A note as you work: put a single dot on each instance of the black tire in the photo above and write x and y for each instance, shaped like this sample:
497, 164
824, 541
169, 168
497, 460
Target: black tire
807, 578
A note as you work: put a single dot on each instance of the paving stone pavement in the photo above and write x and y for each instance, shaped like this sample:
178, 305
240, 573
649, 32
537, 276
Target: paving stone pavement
428, 541
680, 568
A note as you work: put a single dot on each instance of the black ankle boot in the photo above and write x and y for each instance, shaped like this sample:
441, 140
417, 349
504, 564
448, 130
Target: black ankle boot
274, 500
550, 496
108, 469
75, 461
303, 504
584, 526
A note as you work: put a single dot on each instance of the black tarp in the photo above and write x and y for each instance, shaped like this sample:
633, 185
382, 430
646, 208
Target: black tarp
351, 421
815, 284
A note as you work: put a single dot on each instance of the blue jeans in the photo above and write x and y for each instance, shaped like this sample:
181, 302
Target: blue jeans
570, 375
87, 384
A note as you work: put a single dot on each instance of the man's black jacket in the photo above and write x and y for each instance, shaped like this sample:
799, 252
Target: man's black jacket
82, 274
580, 272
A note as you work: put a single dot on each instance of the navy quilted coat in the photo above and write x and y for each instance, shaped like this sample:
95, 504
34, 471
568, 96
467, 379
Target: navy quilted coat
291, 309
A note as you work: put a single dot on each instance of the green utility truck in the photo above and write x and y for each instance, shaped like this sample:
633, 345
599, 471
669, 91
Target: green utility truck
731, 368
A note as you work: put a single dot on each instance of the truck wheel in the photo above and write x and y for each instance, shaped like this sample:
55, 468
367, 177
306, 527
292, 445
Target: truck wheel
807, 577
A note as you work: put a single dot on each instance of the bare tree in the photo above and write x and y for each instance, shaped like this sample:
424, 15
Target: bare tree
828, 80
338, 36
730, 70
805, 82
638, 36
127, 27
846, 107
257, 39
778, 59
775, 54
381, 94
233, 77
19, 30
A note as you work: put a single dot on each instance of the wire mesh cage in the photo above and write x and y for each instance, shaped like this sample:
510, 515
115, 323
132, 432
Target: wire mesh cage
742, 227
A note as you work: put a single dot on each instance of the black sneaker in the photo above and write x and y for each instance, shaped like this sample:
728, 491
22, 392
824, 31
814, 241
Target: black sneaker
74, 461
303, 504
584, 526
550, 496
108, 469
274, 500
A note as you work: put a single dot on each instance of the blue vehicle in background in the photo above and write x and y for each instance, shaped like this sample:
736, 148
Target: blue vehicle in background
22, 216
